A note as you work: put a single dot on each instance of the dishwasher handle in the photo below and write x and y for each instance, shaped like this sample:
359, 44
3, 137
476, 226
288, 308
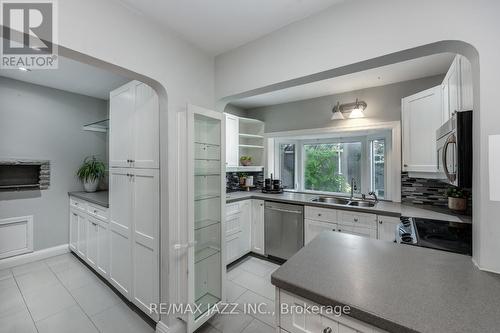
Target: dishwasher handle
284, 210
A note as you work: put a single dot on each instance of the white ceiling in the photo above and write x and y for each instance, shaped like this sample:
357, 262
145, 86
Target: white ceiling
217, 26
71, 76
398, 72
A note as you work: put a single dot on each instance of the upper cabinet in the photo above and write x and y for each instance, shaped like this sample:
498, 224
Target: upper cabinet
134, 127
232, 137
244, 137
421, 117
457, 88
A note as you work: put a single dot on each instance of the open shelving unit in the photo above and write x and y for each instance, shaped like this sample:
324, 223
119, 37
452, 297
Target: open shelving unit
250, 142
98, 126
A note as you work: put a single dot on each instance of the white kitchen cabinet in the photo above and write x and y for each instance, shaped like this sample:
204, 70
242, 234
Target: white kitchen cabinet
246, 226
73, 230
314, 228
257, 227
89, 236
387, 226
82, 234
421, 116
232, 141
134, 126
238, 230
205, 249
120, 225
134, 224
299, 321
457, 88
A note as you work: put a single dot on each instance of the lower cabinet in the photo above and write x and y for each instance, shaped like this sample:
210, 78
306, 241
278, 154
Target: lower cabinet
299, 321
258, 226
244, 228
387, 228
314, 228
89, 234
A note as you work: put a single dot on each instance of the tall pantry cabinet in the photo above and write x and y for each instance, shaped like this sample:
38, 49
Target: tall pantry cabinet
134, 190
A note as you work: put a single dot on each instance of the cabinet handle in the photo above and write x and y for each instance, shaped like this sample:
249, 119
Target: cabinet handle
95, 211
405, 165
340, 230
94, 223
356, 219
327, 330
132, 161
380, 222
319, 214
74, 214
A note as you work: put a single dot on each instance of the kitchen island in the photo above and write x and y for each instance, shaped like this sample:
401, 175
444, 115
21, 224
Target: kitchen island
392, 287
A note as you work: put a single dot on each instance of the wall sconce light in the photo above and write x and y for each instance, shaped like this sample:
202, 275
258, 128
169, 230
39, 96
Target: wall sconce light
349, 110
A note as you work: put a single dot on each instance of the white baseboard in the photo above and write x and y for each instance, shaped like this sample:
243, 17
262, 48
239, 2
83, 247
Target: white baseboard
177, 327
483, 269
33, 256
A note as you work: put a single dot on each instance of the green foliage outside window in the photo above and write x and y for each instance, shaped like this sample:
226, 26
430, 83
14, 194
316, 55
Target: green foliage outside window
321, 169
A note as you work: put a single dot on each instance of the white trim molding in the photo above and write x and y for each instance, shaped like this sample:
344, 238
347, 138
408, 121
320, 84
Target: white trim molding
16, 236
33, 256
178, 326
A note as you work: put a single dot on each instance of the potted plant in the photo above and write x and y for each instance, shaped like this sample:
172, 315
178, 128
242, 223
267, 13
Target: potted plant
243, 177
457, 199
91, 172
246, 160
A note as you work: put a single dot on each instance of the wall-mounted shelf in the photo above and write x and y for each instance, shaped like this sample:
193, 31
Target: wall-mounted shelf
251, 146
251, 136
251, 168
98, 126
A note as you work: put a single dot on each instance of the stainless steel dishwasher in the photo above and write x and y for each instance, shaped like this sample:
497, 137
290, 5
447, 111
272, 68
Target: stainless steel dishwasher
284, 229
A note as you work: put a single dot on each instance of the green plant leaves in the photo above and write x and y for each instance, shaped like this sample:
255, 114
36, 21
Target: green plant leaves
92, 169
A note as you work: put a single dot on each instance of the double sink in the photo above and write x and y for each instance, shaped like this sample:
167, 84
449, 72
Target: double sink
345, 201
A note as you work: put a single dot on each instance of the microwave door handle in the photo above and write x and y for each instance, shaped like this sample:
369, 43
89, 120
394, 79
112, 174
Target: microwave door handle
451, 176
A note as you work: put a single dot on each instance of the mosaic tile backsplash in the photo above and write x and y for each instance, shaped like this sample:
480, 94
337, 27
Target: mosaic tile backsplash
424, 191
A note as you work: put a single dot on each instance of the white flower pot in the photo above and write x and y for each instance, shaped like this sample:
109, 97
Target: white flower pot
91, 186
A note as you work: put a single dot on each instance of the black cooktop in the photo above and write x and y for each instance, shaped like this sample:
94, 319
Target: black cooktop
442, 235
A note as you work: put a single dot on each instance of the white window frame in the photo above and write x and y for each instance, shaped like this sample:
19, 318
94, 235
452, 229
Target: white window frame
390, 132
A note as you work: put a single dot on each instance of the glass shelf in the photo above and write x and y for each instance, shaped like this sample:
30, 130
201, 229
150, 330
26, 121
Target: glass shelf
251, 146
251, 136
206, 196
204, 223
205, 302
207, 144
207, 174
205, 253
98, 126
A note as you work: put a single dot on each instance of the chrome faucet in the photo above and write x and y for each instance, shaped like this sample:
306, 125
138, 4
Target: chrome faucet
353, 187
374, 196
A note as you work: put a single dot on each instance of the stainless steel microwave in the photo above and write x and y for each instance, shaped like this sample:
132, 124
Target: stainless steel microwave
454, 149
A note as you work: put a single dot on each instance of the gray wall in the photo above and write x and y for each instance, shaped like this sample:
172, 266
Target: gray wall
43, 123
384, 104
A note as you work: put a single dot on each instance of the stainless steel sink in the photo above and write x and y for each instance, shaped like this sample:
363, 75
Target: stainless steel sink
332, 200
361, 203
345, 201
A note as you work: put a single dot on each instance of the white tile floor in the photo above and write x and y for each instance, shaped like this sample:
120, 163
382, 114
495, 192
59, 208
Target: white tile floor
249, 282
61, 294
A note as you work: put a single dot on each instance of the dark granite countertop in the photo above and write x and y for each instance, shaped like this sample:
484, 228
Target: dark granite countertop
398, 288
385, 208
100, 198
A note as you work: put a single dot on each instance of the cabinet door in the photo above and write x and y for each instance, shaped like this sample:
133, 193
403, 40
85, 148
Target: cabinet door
421, 117
92, 241
314, 228
82, 235
120, 223
232, 141
466, 91
232, 247
387, 228
246, 227
103, 249
145, 228
146, 128
258, 226
73, 230
453, 83
121, 111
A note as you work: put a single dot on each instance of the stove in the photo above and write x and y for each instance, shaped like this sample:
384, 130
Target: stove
436, 234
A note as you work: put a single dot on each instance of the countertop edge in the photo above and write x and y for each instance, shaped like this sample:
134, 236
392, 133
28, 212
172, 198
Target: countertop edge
318, 204
88, 197
356, 313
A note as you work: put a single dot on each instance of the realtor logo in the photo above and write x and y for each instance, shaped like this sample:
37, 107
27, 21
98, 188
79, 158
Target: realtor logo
29, 34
